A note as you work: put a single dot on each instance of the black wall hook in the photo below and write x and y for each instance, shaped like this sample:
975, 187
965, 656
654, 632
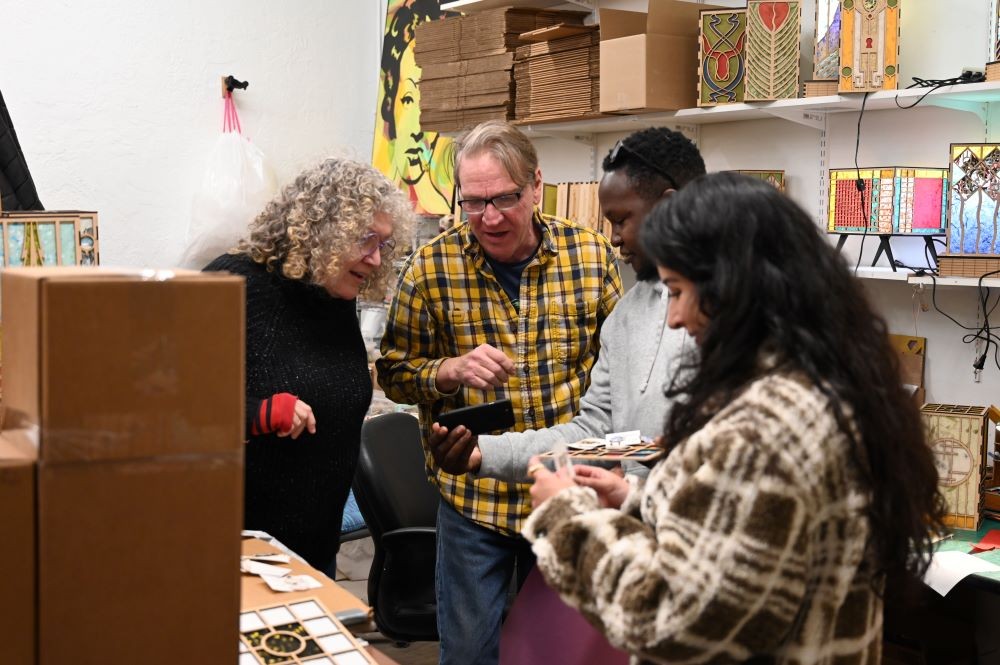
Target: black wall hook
232, 83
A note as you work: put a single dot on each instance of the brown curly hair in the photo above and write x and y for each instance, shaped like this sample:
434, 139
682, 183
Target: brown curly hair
310, 228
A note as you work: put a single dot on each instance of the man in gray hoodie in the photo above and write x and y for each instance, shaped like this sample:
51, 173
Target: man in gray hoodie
639, 353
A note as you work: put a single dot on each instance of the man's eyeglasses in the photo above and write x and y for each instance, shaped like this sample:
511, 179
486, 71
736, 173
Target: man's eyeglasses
620, 146
370, 243
501, 202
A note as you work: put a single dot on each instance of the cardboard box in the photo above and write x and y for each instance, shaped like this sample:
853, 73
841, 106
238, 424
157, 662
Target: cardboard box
17, 555
127, 394
649, 62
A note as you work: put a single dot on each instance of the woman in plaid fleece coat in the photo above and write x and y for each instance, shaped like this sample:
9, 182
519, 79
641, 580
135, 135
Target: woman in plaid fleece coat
797, 473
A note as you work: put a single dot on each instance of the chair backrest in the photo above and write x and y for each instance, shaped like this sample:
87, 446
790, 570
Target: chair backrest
391, 484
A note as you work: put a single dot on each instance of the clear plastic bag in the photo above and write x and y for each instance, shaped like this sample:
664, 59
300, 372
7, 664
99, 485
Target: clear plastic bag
236, 185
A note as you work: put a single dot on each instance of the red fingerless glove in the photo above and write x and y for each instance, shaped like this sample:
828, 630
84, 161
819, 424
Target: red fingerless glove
275, 414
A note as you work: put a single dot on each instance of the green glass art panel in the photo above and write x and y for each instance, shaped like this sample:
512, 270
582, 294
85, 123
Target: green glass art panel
15, 244
67, 238
47, 238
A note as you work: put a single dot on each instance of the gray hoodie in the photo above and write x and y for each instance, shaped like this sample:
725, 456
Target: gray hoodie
639, 355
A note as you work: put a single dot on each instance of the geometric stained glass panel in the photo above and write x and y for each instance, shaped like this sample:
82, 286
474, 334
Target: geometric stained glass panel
869, 45
973, 198
300, 632
894, 200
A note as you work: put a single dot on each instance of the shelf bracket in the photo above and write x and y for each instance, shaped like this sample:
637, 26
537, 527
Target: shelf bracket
979, 109
812, 119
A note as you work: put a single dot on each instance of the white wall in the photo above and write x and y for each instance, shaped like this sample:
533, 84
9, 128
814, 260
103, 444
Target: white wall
116, 103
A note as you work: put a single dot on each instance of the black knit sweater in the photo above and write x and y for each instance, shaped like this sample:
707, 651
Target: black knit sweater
302, 341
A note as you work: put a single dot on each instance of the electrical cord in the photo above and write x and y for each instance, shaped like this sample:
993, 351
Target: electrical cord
860, 184
983, 332
936, 84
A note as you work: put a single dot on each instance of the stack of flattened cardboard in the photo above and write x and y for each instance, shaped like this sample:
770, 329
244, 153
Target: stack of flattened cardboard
558, 76
578, 202
467, 62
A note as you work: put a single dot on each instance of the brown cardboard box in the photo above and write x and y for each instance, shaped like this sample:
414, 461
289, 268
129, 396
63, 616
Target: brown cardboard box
910, 353
649, 62
134, 390
17, 554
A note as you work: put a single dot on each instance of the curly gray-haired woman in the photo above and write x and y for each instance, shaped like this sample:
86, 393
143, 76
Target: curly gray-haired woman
328, 237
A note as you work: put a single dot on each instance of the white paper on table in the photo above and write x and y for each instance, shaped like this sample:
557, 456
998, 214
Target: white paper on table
949, 568
276, 557
291, 582
258, 568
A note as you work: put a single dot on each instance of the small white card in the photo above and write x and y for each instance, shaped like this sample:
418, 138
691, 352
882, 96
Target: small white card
258, 568
623, 439
589, 443
291, 582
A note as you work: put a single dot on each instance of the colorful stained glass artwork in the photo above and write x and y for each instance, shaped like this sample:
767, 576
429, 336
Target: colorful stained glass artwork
895, 201
772, 50
972, 205
49, 238
826, 54
301, 632
722, 57
869, 45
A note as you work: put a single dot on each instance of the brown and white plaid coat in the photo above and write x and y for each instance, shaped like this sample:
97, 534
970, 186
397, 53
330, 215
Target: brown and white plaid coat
747, 541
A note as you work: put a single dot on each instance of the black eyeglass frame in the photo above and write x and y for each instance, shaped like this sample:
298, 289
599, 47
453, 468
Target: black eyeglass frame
492, 200
616, 152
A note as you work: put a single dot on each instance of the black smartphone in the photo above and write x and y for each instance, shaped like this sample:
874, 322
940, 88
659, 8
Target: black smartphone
480, 418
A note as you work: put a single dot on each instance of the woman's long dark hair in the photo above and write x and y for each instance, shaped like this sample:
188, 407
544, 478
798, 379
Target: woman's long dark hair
770, 282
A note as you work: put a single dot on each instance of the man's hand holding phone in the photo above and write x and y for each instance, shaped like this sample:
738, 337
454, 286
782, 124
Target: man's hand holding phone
455, 451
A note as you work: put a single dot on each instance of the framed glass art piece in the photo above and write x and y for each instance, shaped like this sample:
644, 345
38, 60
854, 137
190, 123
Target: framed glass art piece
299, 632
972, 202
722, 57
49, 238
869, 45
826, 53
772, 50
893, 201
896, 200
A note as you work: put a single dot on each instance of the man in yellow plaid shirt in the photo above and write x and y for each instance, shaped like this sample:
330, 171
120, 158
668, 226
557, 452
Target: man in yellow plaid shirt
507, 305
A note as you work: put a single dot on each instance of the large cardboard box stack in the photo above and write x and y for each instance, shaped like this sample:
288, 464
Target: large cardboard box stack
121, 466
466, 64
558, 75
649, 62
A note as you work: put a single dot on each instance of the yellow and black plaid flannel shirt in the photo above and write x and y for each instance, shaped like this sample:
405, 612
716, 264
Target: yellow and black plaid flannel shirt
449, 302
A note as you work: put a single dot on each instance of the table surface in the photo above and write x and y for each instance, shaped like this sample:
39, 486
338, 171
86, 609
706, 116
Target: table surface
254, 593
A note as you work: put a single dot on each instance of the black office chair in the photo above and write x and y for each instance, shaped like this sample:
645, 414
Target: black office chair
400, 507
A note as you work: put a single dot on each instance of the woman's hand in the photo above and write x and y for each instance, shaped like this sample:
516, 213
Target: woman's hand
611, 488
546, 484
302, 419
